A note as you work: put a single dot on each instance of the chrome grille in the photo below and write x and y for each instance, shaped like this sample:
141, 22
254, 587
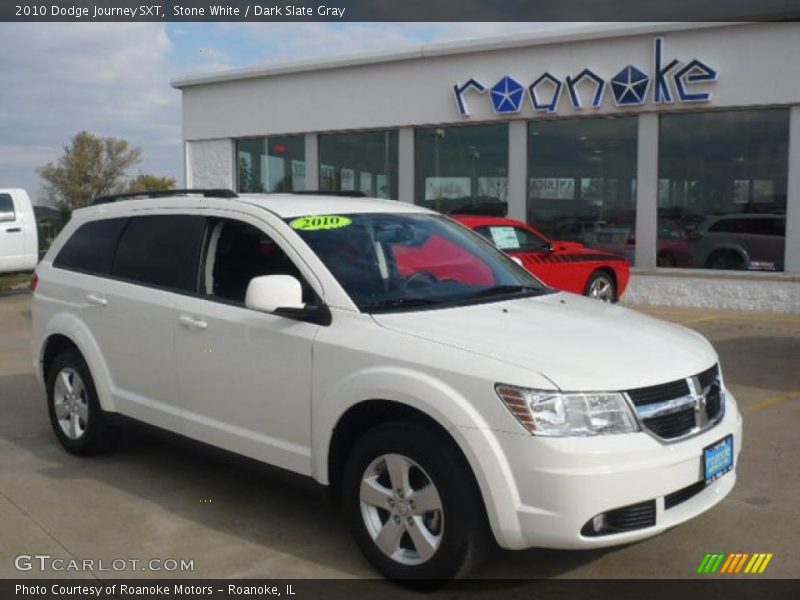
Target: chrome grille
672, 424
680, 408
713, 401
657, 393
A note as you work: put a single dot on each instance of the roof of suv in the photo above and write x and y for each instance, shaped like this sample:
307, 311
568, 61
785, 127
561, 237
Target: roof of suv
283, 205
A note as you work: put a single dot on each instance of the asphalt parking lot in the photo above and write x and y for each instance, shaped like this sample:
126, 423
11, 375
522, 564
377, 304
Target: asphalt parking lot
154, 498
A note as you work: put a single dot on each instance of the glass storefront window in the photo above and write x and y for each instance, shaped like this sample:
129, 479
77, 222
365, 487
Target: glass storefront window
364, 161
582, 181
722, 189
273, 164
458, 167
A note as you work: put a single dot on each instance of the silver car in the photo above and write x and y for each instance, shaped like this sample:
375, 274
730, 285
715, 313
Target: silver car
752, 242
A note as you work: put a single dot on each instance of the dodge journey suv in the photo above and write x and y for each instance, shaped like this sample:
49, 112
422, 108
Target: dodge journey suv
446, 396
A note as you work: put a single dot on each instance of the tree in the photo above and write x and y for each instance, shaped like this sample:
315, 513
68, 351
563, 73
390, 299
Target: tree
144, 182
89, 167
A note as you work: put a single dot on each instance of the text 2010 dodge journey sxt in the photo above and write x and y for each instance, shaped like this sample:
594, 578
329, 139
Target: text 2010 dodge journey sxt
445, 395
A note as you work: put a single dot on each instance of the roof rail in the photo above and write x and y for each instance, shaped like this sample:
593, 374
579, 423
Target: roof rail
208, 193
344, 193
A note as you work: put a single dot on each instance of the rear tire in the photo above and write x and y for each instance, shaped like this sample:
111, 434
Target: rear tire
601, 286
413, 506
75, 414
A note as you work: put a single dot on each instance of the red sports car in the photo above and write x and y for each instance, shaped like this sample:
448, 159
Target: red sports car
568, 266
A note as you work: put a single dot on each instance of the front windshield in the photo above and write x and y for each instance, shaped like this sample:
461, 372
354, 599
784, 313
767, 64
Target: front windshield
396, 261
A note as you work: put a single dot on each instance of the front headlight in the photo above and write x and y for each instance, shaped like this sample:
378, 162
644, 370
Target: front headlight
571, 414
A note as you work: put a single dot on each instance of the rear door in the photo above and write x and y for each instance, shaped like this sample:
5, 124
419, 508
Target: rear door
81, 272
12, 235
155, 261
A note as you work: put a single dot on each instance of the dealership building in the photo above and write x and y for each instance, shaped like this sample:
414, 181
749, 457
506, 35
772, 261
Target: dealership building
677, 145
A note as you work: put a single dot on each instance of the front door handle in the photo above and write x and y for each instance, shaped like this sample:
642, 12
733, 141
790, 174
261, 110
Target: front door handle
94, 299
188, 321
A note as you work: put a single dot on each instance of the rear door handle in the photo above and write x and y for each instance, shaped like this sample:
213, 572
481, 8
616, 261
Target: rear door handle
94, 299
14, 229
188, 321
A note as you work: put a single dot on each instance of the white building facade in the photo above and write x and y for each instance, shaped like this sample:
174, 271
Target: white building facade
677, 145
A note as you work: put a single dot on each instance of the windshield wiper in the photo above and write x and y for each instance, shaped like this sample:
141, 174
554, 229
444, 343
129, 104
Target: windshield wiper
502, 290
399, 303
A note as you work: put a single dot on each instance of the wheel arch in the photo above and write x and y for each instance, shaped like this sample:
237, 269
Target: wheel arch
362, 417
64, 331
54, 345
344, 413
727, 249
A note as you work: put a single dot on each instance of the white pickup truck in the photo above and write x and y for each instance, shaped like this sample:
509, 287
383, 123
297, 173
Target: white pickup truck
19, 240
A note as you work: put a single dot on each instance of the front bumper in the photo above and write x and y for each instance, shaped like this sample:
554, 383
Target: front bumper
562, 483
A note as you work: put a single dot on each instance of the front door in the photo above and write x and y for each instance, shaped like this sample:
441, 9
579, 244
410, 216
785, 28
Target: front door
244, 375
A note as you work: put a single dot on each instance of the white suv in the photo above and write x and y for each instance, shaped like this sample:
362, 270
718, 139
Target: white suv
445, 395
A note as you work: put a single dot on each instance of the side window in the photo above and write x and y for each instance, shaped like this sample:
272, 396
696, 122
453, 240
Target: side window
729, 226
236, 252
160, 250
719, 226
90, 249
766, 226
7, 208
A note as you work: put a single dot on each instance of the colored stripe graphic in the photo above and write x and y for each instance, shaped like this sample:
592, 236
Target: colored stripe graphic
711, 562
741, 562
752, 562
703, 563
728, 563
755, 562
720, 562
766, 562
717, 563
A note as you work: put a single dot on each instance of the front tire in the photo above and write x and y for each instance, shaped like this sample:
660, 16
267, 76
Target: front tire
601, 286
75, 414
412, 504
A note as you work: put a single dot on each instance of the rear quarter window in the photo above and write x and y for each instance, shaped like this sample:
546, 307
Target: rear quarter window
161, 251
91, 248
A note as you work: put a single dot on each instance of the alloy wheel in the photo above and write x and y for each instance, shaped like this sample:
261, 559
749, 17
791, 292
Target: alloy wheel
71, 403
401, 509
602, 289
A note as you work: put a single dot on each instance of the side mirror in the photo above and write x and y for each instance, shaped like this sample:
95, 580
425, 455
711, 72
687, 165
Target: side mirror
268, 293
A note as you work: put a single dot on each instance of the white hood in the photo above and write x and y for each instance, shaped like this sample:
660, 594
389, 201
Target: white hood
577, 343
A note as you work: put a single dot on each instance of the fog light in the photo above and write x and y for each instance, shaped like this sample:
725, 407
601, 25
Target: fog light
619, 520
599, 523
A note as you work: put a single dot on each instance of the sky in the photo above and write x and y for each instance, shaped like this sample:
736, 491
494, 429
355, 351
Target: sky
113, 79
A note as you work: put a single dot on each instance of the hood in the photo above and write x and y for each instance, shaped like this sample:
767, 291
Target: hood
577, 343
